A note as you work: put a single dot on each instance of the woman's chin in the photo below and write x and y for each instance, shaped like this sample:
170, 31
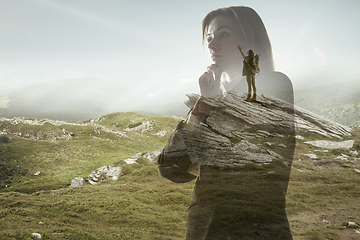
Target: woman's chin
225, 64
219, 63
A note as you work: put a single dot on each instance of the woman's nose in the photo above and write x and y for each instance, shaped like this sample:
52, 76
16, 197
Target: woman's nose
212, 45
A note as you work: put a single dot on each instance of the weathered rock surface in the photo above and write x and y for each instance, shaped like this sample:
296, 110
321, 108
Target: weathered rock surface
354, 153
331, 144
49, 135
36, 235
272, 110
149, 155
77, 182
308, 122
111, 172
102, 173
239, 132
311, 155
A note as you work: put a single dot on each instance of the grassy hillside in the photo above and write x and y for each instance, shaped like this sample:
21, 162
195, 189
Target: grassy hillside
323, 193
100, 142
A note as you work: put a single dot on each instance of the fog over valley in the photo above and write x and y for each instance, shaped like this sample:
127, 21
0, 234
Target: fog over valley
82, 59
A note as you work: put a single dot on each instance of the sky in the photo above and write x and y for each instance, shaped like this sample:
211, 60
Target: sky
156, 45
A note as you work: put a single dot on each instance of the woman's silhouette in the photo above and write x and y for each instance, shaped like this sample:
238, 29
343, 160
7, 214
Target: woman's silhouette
236, 201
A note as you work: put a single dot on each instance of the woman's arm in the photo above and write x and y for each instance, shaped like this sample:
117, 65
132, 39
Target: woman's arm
174, 162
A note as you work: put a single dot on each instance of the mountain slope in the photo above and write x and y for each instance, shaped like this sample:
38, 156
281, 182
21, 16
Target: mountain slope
62, 150
339, 102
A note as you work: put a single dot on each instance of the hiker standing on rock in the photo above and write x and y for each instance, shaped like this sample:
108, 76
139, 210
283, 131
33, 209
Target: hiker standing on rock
250, 68
241, 179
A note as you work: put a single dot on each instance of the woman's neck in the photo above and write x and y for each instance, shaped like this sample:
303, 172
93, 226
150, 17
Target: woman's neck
233, 72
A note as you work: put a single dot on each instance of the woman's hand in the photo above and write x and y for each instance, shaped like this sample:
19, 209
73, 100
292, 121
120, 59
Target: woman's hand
209, 82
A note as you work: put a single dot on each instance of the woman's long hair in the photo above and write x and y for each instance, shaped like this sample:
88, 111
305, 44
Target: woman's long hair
251, 27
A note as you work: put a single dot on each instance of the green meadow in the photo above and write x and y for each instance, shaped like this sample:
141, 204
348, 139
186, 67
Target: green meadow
323, 193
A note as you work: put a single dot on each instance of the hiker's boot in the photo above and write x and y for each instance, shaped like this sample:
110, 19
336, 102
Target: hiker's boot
254, 97
248, 99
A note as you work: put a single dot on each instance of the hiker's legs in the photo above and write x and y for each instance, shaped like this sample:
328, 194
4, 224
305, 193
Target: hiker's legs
254, 87
253, 83
249, 82
248, 79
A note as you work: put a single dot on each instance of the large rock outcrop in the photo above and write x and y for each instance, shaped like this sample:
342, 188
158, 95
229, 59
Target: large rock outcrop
271, 109
237, 132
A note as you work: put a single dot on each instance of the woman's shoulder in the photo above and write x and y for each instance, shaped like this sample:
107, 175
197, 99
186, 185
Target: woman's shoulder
276, 75
276, 84
275, 78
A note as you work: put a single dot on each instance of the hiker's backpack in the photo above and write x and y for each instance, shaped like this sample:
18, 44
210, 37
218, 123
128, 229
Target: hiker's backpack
256, 60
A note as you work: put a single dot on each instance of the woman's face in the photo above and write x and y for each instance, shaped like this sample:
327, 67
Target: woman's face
223, 37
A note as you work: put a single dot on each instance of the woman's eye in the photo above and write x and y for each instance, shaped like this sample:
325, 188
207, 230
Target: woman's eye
224, 34
209, 39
